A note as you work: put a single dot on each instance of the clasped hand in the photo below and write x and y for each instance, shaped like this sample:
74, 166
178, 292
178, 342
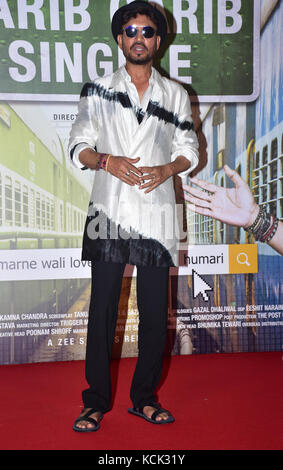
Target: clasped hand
146, 177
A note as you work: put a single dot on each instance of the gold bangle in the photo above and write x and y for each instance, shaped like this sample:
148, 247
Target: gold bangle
108, 157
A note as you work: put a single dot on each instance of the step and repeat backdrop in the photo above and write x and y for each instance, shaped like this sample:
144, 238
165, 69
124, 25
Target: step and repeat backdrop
227, 296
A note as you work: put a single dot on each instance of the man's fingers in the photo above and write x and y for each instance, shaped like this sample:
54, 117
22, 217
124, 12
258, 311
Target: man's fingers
133, 177
130, 176
147, 185
145, 169
127, 180
132, 159
151, 188
150, 185
150, 176
134, 169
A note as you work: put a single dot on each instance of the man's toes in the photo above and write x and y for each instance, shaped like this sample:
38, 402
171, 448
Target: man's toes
149, 410
161, 417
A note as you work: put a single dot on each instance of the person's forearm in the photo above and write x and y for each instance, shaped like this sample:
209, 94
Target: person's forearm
253, 210
89, 158
179, 165
276, 241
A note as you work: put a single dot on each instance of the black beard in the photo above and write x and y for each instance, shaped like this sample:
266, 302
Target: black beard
137, 61
144, 61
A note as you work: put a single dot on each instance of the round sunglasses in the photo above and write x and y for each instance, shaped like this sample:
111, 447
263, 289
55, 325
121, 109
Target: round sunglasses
132, 31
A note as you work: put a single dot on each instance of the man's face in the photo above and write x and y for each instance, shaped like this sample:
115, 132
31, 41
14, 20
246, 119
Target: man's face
139, 50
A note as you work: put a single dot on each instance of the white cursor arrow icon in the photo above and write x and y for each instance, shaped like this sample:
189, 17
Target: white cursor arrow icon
200, 286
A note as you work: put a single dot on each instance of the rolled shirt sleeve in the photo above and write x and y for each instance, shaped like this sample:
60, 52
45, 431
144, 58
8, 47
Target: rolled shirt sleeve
84, 131
185, 142
75, 154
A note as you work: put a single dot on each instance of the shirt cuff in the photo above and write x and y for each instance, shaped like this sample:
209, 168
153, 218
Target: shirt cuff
79, 148
191, 156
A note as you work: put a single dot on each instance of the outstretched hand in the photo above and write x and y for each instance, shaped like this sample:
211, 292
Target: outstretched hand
233, 206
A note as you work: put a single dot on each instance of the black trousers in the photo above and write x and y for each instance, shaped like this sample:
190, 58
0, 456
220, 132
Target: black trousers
152, 301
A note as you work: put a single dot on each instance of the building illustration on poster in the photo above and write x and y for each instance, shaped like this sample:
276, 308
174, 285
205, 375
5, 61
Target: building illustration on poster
43, 199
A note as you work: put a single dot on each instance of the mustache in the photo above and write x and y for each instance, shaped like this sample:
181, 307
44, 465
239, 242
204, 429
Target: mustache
138, 44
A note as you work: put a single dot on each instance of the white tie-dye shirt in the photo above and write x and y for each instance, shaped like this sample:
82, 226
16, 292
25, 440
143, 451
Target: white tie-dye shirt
112, 120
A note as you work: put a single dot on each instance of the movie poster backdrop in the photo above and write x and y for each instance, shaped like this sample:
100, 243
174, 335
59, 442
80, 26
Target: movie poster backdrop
227, 295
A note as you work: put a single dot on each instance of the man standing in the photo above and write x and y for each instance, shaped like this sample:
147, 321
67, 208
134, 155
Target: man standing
134, 129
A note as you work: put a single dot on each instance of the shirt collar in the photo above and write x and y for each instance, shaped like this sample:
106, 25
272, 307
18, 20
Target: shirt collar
121, 75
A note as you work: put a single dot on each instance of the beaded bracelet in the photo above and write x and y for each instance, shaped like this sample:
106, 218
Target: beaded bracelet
261, 213
102, 161
272, 230
264, 227
98, 163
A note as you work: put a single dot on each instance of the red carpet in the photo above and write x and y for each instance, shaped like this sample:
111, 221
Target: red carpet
221, 402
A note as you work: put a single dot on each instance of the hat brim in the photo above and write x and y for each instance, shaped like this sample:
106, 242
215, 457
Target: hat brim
117, 19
